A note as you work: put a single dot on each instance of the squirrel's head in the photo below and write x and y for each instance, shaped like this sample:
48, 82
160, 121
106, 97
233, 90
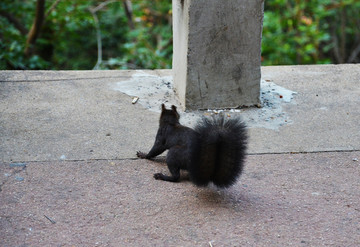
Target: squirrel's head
169, 116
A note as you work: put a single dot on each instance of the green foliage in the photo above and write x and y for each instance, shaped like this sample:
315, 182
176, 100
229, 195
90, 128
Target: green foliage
149, 44
310, 31
295, 32
12, 43
68, 37
73, 36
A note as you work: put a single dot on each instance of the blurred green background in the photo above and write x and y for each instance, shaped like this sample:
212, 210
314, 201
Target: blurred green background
63, 34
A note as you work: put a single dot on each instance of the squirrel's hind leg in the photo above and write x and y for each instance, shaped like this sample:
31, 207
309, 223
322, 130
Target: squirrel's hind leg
174, 169
175, 175
160, 176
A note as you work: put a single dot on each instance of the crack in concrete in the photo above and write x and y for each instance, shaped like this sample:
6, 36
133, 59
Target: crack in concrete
162, 157
68, 79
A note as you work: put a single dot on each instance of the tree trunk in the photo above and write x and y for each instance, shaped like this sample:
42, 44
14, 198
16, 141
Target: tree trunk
36, 27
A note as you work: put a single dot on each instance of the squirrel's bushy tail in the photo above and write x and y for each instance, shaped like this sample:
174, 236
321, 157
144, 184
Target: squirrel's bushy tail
223, 147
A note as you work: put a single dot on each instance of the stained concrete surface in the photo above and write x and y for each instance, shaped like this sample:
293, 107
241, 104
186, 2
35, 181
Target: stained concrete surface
69, 175
281, 200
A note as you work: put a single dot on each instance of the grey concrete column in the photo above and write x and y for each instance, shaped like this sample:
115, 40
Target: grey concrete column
217, 52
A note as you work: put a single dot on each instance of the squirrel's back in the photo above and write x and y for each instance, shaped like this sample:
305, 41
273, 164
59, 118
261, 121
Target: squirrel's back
222, 153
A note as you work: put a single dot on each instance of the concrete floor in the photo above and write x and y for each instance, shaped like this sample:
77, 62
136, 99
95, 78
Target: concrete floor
69, 175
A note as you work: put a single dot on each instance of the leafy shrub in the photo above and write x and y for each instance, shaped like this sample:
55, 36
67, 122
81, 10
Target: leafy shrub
295, 32
311, 31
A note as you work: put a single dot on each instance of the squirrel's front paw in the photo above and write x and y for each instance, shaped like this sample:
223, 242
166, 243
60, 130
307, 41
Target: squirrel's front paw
141, 155
158, 176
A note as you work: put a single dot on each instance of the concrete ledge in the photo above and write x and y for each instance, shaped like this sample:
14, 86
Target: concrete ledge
81, 115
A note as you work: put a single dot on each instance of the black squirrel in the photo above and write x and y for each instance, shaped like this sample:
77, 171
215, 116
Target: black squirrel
212, 152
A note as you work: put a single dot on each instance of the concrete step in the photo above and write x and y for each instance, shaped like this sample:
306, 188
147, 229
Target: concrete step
78, 115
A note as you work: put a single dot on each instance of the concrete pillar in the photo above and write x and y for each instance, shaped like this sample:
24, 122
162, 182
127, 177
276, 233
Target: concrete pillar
217, 47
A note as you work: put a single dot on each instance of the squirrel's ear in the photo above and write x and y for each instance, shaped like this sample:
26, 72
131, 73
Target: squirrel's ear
163, 108
173, 108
